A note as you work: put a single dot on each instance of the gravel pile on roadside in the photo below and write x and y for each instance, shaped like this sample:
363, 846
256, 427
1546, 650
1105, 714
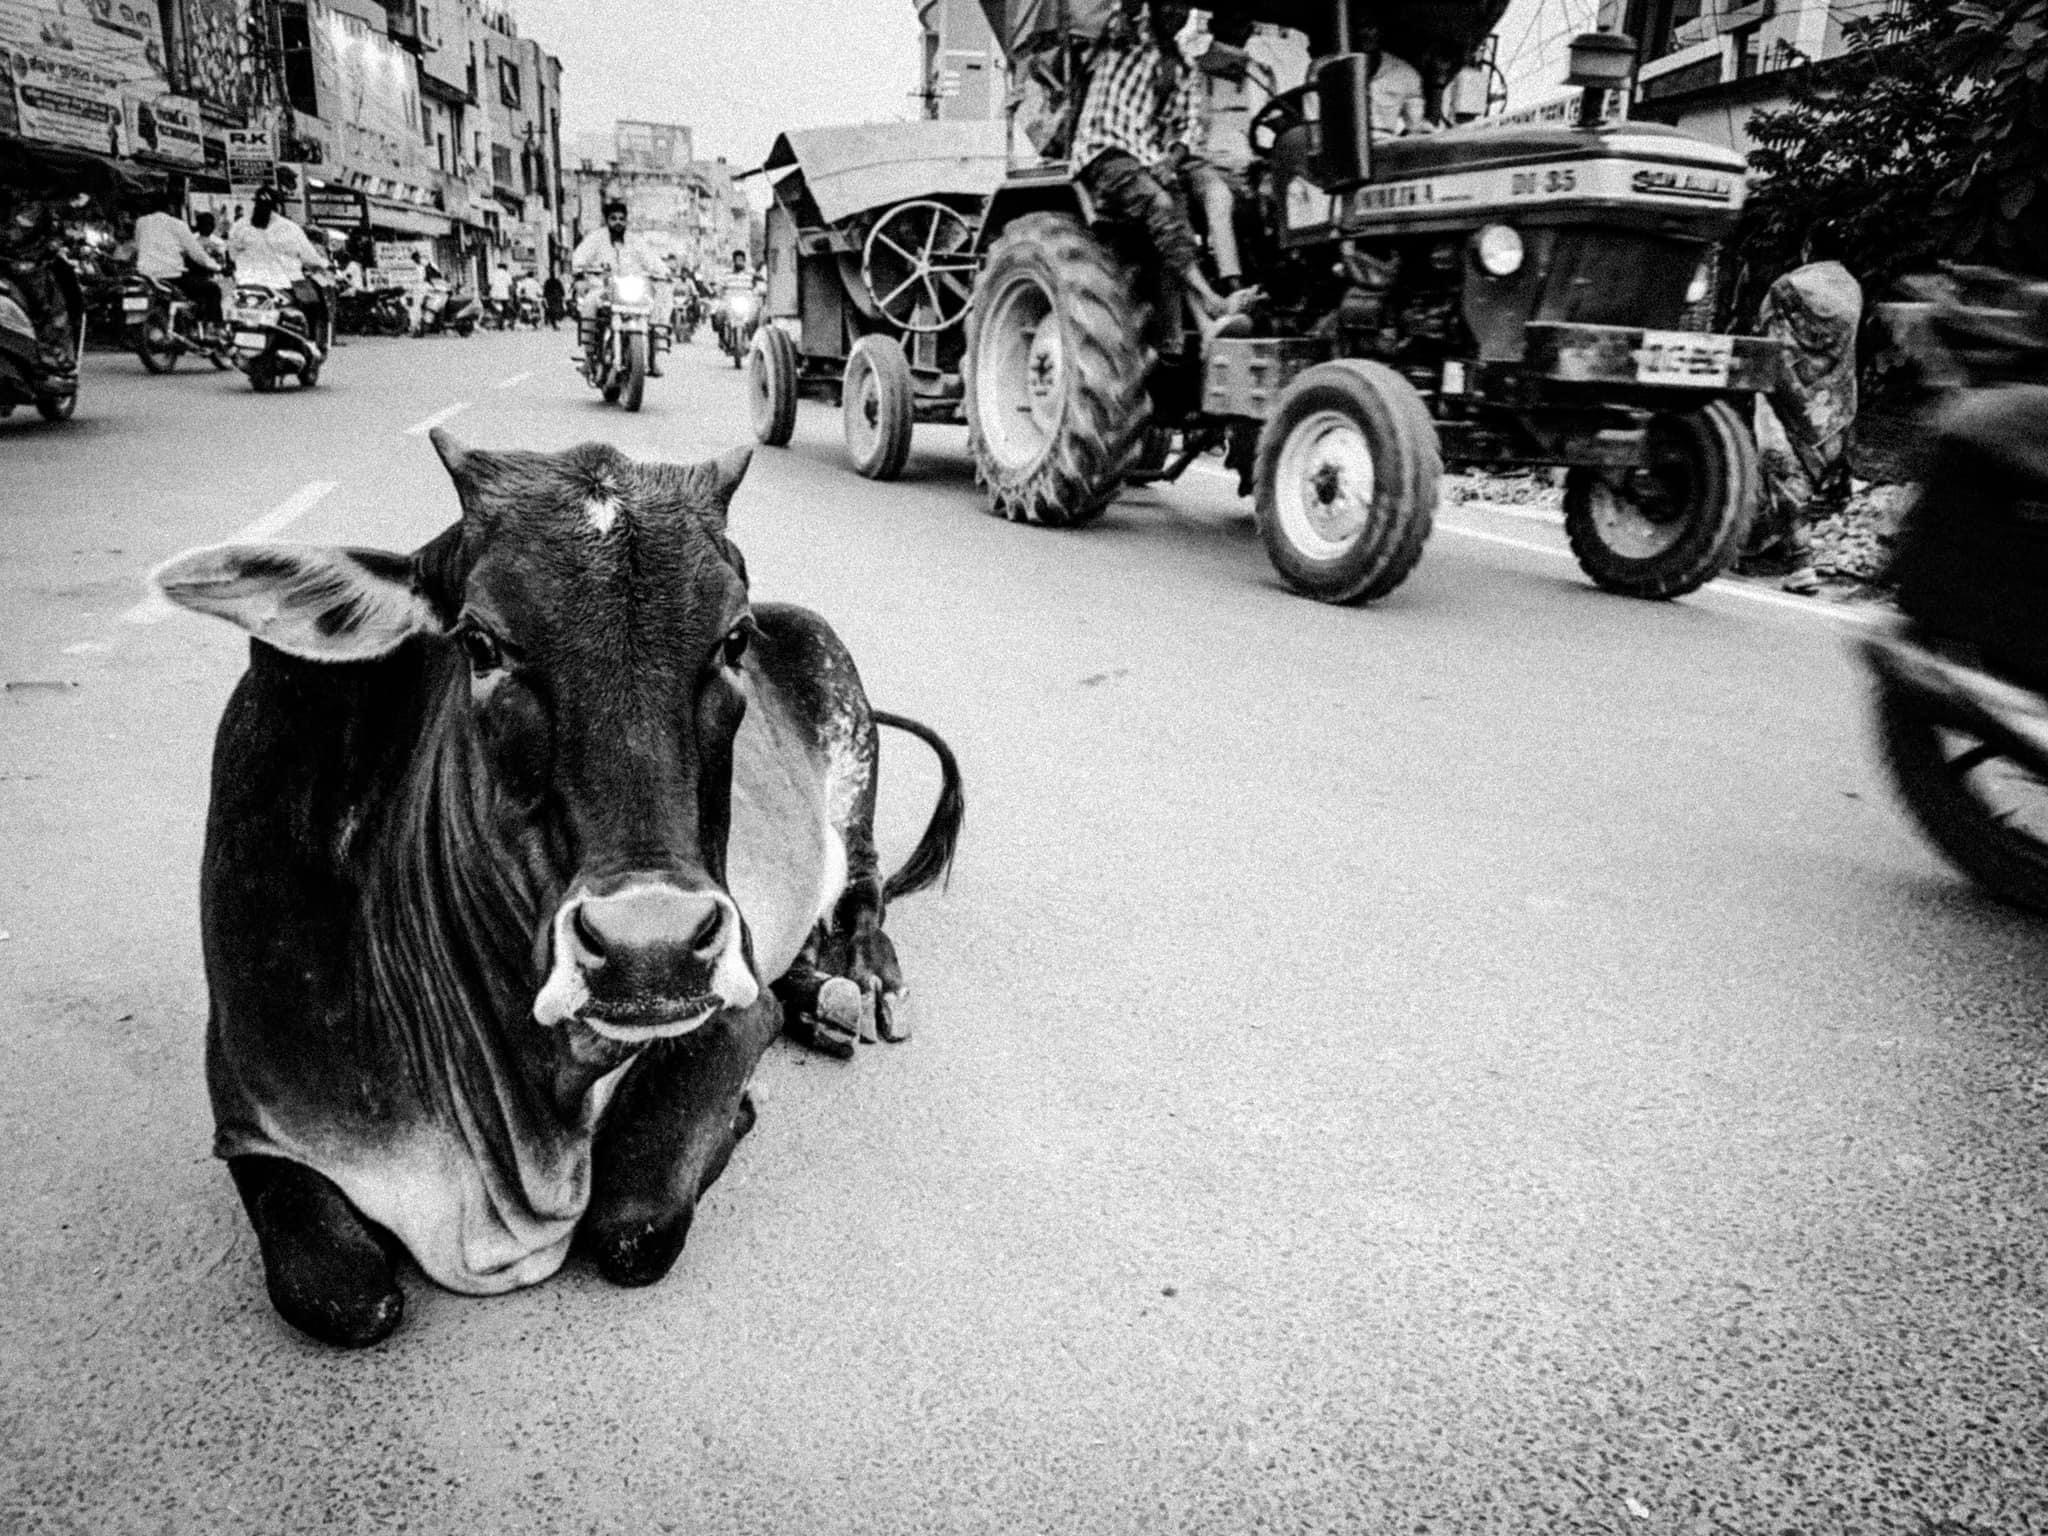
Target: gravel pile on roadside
1520, 488
1855, 543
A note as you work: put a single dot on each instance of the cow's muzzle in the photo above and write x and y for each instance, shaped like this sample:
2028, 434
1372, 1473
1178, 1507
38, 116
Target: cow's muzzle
642, 958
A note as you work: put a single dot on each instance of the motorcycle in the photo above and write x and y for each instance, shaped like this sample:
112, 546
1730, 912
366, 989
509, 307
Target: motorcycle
530, 311
163, 324
1961, 682
500, 314
739, 316
274, 340
443, 309
689, 313
25, 379
621, 339
372, 312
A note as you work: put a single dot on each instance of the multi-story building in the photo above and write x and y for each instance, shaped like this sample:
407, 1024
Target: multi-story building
1708, 65
962, 76
693, 209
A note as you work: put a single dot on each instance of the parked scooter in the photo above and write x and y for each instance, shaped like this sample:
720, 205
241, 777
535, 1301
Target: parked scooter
1962, 682
442, 310
275, 340
25, 379
372, 312
163, 324
620, 338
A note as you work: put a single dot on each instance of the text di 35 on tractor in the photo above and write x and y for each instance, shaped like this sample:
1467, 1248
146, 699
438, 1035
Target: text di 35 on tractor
1484, 295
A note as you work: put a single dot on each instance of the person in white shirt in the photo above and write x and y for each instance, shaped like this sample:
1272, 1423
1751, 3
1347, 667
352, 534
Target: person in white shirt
167, 251
270, 251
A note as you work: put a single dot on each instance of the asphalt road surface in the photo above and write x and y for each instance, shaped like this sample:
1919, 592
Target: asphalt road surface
1494, 1061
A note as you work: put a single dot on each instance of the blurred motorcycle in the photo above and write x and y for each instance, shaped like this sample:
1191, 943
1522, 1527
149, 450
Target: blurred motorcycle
739, 316
35, 272
1962, 680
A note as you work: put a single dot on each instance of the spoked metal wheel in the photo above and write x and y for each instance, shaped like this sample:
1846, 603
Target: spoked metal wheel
919, 265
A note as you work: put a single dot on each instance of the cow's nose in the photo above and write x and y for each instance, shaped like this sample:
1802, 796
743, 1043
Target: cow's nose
648, 919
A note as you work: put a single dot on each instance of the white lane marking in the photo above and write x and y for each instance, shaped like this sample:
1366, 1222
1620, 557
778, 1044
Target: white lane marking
446, 413
1813, 608
155, 608
517, 378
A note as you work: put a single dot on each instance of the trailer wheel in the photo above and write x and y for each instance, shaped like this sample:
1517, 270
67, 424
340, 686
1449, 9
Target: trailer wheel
771, 385
1673, 525
1347, 476
875, 407
1055, 373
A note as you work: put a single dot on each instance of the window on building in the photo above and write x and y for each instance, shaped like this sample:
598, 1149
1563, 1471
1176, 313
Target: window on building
501, 165
295, 58
508, 83
441, 151
426, 25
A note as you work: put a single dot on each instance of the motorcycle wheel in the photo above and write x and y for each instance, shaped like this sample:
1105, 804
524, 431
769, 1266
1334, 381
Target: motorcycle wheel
636, 372
57, 407
466, 328
1984, 813
261, 379
155, 347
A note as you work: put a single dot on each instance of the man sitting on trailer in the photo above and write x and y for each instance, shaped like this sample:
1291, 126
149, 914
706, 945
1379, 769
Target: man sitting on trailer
1137, 102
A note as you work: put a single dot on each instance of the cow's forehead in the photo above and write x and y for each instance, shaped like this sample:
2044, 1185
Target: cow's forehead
590, 525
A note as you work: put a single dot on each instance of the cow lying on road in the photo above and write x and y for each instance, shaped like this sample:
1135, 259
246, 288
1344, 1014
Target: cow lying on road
510, 838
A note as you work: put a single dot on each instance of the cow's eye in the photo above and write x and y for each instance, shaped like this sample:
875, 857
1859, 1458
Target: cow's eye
736, 644
483, 652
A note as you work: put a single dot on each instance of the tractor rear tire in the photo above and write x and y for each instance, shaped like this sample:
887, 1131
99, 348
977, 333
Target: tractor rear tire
1055, 373
771, 385
1675, 524
877, 407
1347, 479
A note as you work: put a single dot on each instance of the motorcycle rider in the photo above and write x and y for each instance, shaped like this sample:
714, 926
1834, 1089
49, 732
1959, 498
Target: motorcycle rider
167, 250
271, 251
612, 249
739, 280
31, 243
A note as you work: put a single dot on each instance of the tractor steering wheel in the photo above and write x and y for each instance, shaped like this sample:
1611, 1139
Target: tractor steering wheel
1280, 113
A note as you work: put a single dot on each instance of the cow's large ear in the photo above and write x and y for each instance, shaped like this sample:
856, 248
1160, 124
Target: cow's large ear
717, 480
315, 603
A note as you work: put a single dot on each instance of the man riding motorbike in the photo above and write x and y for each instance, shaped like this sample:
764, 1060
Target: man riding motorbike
739, 305
613, 250
167, 251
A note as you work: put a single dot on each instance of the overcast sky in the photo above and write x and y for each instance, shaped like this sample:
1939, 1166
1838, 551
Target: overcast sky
738, 72
741, 71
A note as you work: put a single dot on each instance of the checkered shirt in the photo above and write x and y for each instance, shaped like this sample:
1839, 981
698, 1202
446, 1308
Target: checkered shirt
1121, 109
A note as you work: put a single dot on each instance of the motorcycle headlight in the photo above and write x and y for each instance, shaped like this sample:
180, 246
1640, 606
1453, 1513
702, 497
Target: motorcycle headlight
1702, 283
1499, 250
629, 289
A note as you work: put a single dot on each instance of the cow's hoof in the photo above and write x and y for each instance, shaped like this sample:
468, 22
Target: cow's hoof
355, 1320
329, 1272
643, 1253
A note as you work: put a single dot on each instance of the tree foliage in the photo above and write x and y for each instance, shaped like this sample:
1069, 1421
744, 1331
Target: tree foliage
1854, 165
1996, 208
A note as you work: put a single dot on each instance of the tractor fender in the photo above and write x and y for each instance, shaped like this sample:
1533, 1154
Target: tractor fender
1017, 197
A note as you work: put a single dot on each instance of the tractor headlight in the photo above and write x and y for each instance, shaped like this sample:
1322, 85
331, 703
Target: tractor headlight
1702, 282
1499, 249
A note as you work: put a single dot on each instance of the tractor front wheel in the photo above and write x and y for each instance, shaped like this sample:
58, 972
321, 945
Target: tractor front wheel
1347, 476
1673, 524
1055, 373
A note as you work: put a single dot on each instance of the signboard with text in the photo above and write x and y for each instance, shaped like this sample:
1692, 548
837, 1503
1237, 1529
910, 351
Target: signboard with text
168, 128
62, 101
338, 208
252, 156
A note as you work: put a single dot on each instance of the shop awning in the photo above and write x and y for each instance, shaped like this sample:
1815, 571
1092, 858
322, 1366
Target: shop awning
54, 170
405, 219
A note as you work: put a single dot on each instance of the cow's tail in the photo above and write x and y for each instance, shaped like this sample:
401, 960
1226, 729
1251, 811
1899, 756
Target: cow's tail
932, 859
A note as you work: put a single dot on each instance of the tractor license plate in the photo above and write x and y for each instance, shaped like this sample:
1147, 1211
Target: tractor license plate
249, 341
135, 306
1693, 359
